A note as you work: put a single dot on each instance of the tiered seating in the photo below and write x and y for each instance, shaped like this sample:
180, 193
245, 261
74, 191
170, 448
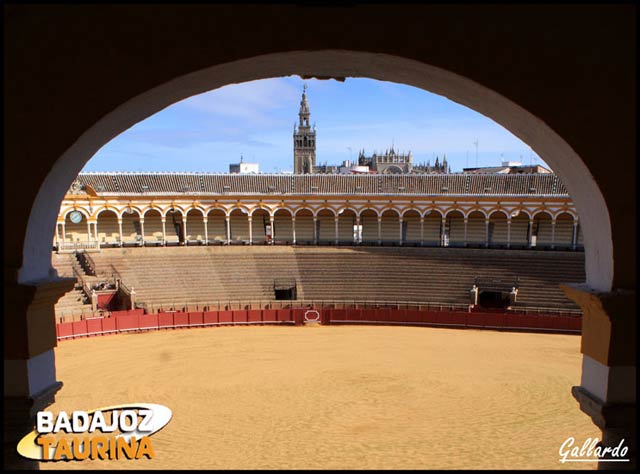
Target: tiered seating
163, 276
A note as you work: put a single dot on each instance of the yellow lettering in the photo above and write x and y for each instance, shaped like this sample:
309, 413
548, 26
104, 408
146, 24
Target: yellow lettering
81, 448
62, 449
45, 442
129, 450
145, 448
99, 447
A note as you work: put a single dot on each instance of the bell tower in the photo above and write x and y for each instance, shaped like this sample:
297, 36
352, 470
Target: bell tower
304, 140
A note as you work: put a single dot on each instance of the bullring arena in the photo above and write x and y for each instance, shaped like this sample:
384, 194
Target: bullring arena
348, 322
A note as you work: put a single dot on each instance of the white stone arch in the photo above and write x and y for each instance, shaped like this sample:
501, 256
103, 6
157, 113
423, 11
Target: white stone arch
571, 212
475, 209
210, 209
377, 211
253, 209
495, 210
195, 208
174, 208
304, 208
451, 209
80, 209
428, 212
153, 208
124, 210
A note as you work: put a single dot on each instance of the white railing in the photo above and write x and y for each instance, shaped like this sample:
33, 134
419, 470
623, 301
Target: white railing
71, 246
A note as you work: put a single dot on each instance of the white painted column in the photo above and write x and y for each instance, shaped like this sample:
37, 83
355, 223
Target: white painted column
184, 230
205, 220
379, 230
228, 229
530, 232
250, 220
553, 233
574, 236
336, 219
315, 230
120, 231
466, 222
443, 229
357, 233
164, 230
273, 229
58, 235
142, 230
88, 231
421, 230
293, 228
508, 232
400, 221
64, 233
486, 232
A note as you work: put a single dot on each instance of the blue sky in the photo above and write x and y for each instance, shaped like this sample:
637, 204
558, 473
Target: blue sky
255, 119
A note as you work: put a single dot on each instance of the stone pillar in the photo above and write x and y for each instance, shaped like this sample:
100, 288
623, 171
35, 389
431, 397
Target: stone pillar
228, 228
553, 233
530, 233
250, 220
273, 229
315, 230
357, 233
205, 221
443, 231
336, 219
293, 228
64, 232
184, 230
120, 231
142, 231
607, 391
400, 222
574, 235
94, 300
30, 381
132, 297
466, 222
421, 231
88, 231
486, 232
164, 230
508, 232
379, 230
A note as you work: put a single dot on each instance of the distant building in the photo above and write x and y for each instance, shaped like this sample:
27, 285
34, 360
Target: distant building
509, 167
244, 168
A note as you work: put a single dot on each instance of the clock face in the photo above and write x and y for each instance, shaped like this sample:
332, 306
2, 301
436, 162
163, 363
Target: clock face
75, 217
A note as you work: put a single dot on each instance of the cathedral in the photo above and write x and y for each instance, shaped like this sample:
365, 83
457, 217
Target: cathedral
388, 162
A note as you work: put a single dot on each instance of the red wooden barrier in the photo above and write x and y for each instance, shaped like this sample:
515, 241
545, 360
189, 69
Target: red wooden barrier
338, 314
211, 317
108, 324
165, 320
427, 316
325, 316
65, 329
94, 326
196, 319
269, 315
149, 321
181, 319
225, 317
127, 322
79, 328
254, 315
284, 315
240, 316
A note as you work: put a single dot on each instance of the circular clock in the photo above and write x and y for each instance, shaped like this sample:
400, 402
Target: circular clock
75, 217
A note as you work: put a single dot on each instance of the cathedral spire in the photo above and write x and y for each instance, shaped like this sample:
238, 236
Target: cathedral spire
304, 139
304, 113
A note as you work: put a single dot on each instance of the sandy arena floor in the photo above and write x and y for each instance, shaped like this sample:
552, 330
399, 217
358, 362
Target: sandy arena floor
354, 397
